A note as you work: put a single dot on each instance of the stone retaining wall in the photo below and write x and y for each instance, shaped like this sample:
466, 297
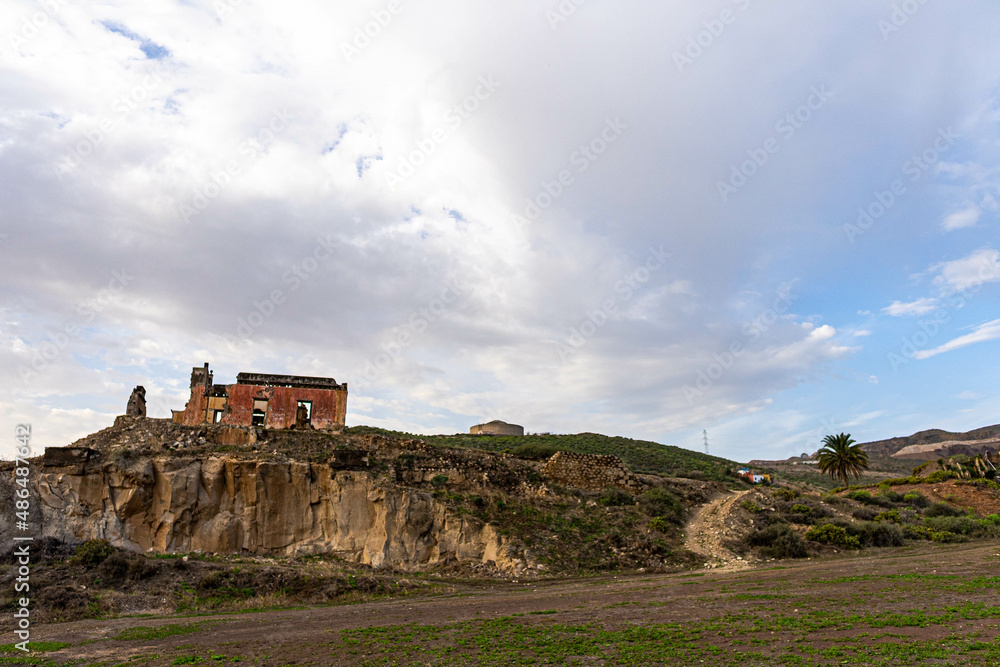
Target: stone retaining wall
595, 472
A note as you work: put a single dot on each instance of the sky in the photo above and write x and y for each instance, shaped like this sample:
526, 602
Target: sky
767, 221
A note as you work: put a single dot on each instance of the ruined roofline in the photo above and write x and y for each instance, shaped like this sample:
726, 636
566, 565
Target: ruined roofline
299, 381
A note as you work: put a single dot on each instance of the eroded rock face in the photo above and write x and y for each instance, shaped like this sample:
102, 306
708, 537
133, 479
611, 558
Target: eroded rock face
219, 504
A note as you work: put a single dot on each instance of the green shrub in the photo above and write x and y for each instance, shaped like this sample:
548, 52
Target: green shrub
661, 503
920, 468
946, 536
92, 553
439, 480
863, 496
939, 476
785, 494
801, 509
880, 534
751, 506
614, 497
777, 541
888, 515
915, 499
961, 525
912, 532
661, 524
865, 513
899, 481
835, 535
942, 509
892, 496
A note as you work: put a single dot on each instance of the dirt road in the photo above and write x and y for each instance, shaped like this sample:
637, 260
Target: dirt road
709, 527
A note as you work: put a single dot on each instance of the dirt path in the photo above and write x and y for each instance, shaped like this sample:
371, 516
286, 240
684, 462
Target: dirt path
706, 531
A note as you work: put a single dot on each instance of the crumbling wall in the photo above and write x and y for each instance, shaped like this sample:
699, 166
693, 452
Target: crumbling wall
591, 471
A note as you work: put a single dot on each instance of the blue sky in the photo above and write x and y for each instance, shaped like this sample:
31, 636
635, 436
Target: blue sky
640, 221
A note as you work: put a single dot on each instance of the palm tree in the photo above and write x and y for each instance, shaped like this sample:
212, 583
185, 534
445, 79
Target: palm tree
841, 457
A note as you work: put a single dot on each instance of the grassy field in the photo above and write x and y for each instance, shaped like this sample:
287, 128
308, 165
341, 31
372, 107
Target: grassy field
640, 455
924, 604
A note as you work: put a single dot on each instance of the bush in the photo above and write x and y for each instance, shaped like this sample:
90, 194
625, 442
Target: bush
865, 513
439, 480
912, 532
92, 553
899, 481
961, 525
863, 496
835, 535
915, 499
880, 534
942, 509
751, 506
661, 524
661, 503
777, 541
534, 451
892, 496
614, 497
140, 569
114, 568
946, 537
940, 476
785, 494
888, 515
801, 509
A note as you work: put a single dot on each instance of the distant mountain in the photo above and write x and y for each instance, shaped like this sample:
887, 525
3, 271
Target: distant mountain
935, 443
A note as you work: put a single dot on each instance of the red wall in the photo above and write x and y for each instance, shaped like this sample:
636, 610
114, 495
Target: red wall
329, 406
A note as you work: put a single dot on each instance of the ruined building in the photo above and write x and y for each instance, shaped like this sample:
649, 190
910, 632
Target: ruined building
136, 403
270, 401
496, 427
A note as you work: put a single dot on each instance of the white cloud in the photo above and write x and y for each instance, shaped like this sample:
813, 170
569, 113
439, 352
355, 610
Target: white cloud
961, 219
982, 333
912, 308
980, 267
352, 123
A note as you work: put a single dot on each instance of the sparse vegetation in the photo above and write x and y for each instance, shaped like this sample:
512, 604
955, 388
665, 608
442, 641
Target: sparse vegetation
92, 553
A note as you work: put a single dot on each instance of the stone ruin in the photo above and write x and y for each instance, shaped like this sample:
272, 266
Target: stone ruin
136, 403
594, 472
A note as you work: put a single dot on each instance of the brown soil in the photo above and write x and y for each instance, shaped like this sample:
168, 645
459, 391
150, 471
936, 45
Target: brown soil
982, 500
312, 636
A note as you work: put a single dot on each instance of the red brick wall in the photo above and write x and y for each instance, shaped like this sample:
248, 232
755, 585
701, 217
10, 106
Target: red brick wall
329, 406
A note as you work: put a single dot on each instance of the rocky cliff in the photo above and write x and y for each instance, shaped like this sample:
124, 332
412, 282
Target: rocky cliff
150, 485
224, 505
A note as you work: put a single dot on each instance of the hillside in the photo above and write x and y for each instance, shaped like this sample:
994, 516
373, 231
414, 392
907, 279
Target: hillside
642, 456
363, 503
919, 445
